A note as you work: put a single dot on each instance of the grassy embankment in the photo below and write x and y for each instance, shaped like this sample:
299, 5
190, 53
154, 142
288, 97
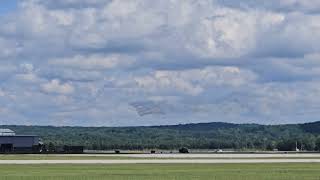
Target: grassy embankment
162, 172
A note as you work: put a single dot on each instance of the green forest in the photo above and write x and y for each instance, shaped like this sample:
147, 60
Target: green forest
194, 136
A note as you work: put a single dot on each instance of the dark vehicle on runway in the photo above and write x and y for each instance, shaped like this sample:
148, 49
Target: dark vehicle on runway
184, 150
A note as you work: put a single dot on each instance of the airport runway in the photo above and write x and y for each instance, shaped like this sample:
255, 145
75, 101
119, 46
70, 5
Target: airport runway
161, 161
194, 156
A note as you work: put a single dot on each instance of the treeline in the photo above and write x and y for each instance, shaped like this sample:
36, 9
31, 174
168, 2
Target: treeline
193, 136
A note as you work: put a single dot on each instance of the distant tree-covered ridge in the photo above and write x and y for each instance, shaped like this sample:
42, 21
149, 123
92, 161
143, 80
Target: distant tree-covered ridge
215, 135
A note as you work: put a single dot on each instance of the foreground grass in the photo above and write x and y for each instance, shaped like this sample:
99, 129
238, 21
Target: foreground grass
307, 171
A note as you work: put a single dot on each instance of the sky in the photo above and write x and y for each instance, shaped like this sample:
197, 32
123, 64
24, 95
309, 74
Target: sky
7, 6
144, 62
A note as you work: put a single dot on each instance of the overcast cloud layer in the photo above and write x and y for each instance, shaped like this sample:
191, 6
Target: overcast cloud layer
145, 62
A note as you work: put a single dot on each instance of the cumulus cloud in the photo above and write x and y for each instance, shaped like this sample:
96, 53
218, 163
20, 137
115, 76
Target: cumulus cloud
89, 62
193, 82
309, 6
70, 3
95, 62
2, 93
55, 86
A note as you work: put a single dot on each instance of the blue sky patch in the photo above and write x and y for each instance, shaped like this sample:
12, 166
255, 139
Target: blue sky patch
7, 6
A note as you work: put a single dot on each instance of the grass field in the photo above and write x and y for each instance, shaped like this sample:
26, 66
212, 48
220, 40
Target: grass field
162, 172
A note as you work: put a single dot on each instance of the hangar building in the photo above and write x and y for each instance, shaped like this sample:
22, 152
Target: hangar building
10, 142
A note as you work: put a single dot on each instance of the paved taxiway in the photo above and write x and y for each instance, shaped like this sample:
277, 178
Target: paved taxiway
194, 156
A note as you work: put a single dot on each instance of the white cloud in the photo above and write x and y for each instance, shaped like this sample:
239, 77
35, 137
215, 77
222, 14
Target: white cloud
9, 48
308, 6
2, 93
192, 82
94, 62
55, 86
29, 77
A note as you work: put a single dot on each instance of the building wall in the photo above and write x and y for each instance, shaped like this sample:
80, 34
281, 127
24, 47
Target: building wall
20, 141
